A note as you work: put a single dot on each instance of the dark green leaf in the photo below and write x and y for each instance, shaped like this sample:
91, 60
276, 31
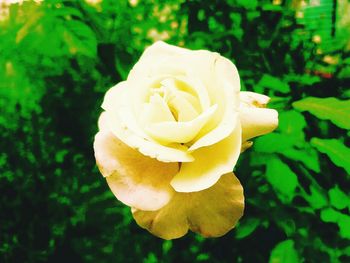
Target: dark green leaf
317, 199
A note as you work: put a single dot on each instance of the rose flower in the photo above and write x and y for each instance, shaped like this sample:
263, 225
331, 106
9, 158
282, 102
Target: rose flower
170, 135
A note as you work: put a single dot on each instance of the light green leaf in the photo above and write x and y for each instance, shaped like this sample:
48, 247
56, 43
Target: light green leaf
80, 38
66, 12
292, 123
329, 215
337, 111
284, 252
247, 227
273, 83
338, 198
335, 150
282, 178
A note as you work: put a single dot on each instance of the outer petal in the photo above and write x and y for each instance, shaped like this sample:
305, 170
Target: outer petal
135, 179
209, 165
256, 120
211, 212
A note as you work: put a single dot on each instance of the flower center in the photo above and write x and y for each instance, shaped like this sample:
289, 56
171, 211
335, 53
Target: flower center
176, 110
179, 97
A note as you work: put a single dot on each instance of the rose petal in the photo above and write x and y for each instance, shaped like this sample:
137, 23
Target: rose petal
155, 111
169, 153
135, 179
211, 212
209, 164
117, 113
225, 118
255, 119
252, 99
180, 132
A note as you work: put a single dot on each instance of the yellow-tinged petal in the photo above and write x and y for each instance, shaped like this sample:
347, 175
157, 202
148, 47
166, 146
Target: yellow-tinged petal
155, 111
113, 97
116, 114
169, 153
179, 132
225, 118
211, 212
209, 165
252, 99
256, 120
136, 180
195, 84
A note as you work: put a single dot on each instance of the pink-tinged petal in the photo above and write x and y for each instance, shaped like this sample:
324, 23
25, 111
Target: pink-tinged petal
211, 212
210, 163
256, 120
136, 180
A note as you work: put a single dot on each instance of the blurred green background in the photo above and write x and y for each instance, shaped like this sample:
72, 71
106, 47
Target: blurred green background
58, 58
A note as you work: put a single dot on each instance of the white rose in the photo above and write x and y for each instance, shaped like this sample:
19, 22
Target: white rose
170, 136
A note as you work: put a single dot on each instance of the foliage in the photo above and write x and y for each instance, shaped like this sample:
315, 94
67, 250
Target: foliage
59, 57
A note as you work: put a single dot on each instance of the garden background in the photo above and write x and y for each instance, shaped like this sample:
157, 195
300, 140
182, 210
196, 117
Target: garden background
58, 58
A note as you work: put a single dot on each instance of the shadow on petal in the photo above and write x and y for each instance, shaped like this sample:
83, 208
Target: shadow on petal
209, 165
211, 212
136, 180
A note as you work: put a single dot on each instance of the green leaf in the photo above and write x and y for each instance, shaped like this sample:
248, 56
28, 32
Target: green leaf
335, 150
284, 252
305, 79
344, 226
271, 7
247, 227
80, 38
66, 12
274, 83
317, 199
307, 156
167, 245
273, 143
288, 225
329, 215
292, 123
282, 178
338, 198
337, 111
248, 4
